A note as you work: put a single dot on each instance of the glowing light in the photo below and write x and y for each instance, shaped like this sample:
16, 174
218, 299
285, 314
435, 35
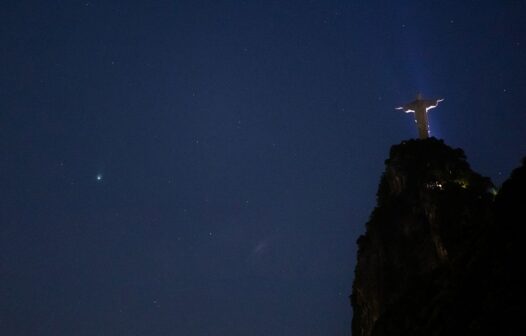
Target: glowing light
464, 184
434, 185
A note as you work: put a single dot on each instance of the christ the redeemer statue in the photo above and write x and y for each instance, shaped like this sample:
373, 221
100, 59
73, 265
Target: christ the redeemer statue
419, 107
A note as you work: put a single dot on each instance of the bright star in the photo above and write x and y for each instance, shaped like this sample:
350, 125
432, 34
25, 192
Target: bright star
99, 177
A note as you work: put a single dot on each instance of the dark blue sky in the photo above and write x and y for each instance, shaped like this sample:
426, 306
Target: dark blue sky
238, 144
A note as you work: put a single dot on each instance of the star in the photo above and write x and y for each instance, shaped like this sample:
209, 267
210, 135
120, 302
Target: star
99, 177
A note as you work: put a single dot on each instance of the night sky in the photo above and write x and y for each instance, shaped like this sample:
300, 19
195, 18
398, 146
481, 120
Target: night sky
205, 167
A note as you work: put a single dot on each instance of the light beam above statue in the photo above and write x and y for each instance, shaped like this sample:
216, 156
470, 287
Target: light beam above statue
419, 107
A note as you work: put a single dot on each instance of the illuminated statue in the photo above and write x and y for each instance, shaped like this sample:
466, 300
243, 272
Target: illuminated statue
419, 107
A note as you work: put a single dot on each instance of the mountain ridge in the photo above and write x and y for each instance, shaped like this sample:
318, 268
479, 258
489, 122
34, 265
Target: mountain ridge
436, 258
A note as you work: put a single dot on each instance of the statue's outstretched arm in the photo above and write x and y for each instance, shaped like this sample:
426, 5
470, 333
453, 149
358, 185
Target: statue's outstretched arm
406, 108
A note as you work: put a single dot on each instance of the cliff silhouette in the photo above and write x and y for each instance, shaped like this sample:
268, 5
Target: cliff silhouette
442, 253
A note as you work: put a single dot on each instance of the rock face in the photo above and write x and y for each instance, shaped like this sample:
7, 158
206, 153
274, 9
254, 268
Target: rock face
436, 258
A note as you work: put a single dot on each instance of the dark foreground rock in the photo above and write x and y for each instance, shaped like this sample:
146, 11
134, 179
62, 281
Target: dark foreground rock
443, 251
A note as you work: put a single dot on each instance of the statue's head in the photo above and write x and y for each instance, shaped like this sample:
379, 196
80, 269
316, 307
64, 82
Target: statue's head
418, 96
